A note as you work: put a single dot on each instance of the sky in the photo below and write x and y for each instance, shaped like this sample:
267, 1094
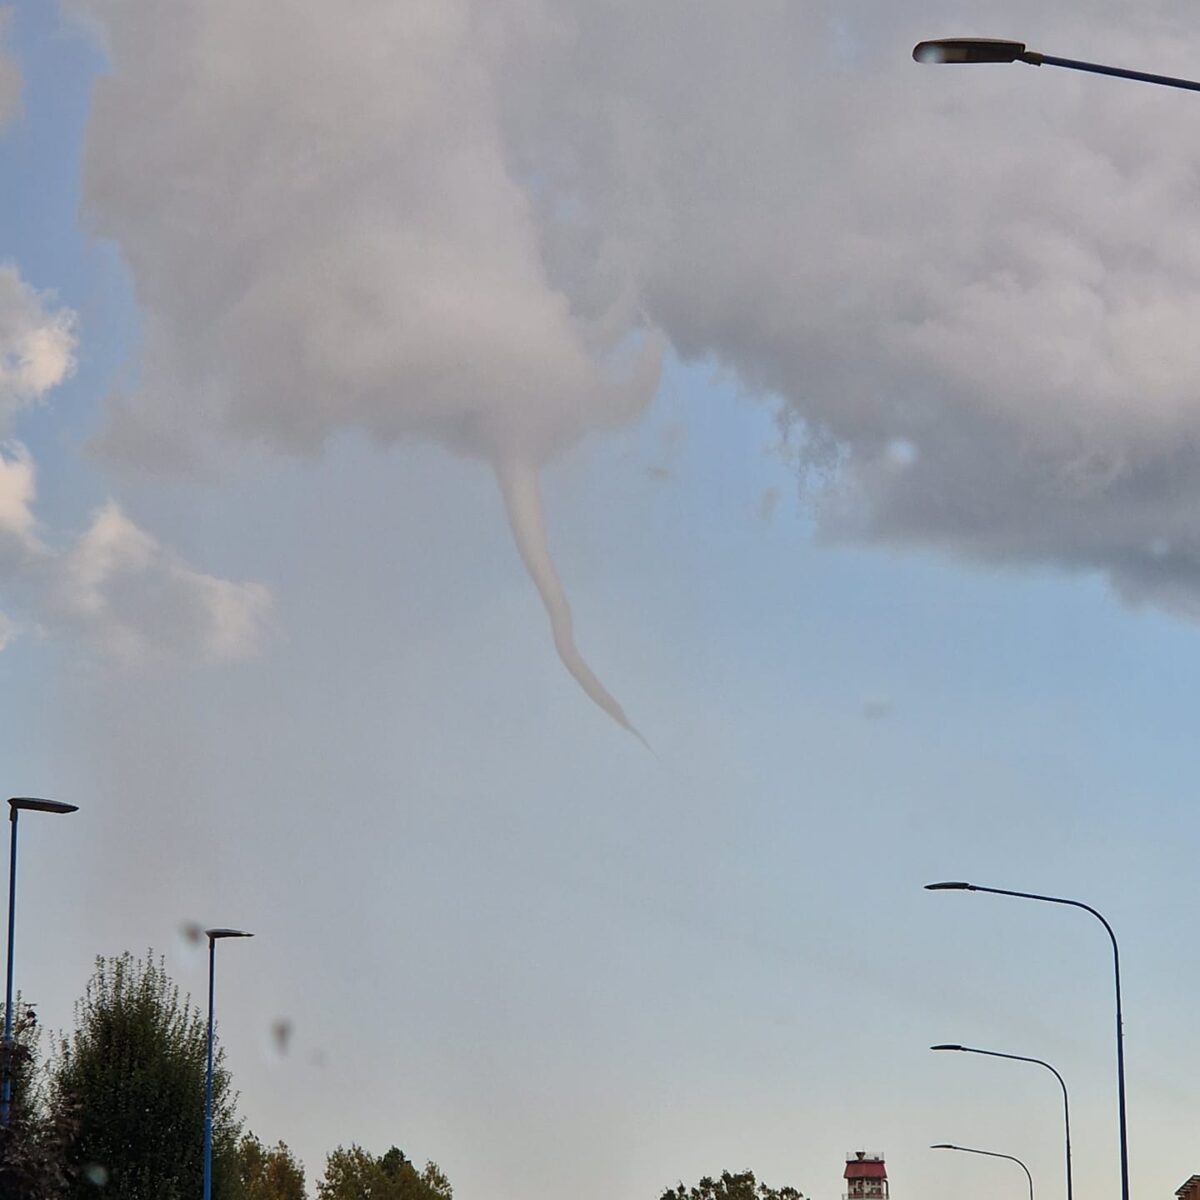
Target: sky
395, 407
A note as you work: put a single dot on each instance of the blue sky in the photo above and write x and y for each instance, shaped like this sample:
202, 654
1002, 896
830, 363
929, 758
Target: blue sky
509, 938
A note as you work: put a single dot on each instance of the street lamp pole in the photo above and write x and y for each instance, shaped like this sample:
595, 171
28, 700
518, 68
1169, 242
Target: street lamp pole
1112, 937
996, 50
990, 1154
15, 805
213, 935
1041, 1063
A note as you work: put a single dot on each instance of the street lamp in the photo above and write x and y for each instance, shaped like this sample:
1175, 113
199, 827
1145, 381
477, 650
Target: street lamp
212, 935
1112, 937
990, 1154
1041, 1063
995, 50
15, 805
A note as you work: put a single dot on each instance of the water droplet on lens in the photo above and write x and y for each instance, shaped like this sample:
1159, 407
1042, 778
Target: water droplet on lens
768, 503
902, 453
96, 1174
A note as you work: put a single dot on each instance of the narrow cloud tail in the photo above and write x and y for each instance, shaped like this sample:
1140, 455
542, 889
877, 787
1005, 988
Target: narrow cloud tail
518, 479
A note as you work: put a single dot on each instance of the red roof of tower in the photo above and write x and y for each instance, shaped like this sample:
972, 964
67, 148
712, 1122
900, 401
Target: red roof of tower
861, 1167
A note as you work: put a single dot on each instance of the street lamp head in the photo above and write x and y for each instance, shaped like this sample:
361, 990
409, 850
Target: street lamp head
943, 1146
949, 887
213, 934
968, 50
33, 804
947, 1046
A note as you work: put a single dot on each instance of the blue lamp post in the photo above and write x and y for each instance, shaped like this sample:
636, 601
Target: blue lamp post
990, 1154
1123, 1138
15, 805
212, 935
1041, 1062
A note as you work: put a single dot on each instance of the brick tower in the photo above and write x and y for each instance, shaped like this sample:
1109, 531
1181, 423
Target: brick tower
866, 1177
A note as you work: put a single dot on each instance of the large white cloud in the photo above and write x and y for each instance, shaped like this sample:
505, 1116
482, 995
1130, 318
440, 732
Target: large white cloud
446, 218
324, 231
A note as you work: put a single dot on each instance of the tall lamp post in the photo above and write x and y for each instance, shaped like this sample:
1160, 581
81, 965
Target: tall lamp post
990, 1154
15, 806
213, 936
995, 50
1112, 937
1041, 1063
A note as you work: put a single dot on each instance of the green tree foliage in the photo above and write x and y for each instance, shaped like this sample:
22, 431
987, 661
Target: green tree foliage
34, 1148
268, 1174
133, 1075
356, 1175
25, 1077
731, 1187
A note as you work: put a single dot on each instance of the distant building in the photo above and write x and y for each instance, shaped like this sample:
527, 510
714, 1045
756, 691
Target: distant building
866, 1178
1189, 1190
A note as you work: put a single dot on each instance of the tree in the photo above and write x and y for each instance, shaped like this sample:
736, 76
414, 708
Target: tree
268, 1174
731, 1187
34, 1147
24, 1078
133, 1074
356, 1175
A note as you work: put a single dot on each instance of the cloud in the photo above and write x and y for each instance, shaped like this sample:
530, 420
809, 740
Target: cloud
7, 631
459, 221
10, 75
17, 487
137, 602
37, 343
354, 250
974, 292
115, 587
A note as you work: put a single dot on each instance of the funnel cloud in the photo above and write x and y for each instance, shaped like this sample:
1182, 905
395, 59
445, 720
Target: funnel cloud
523, 502
467, 210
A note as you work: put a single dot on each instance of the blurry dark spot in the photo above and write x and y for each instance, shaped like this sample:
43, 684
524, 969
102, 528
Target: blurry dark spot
671, 436
281, 1034
768, 503
876, 706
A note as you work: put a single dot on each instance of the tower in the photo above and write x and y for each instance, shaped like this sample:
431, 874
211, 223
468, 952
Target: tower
865, 1176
